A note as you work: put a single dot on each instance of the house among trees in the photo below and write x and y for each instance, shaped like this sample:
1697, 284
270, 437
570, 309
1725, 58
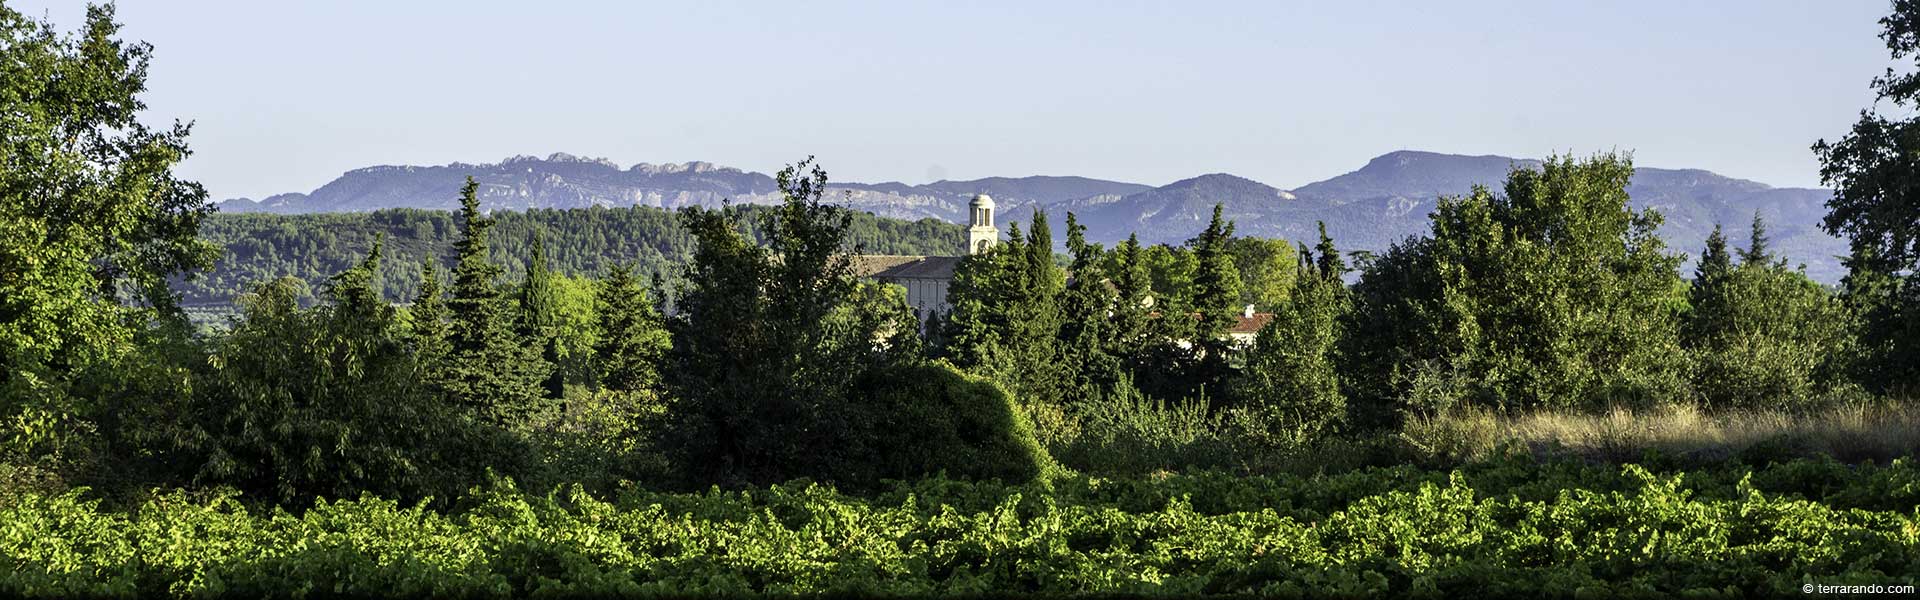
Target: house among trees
928, 277
1247, 325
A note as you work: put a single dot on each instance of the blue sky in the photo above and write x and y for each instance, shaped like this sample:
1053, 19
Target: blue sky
286, 97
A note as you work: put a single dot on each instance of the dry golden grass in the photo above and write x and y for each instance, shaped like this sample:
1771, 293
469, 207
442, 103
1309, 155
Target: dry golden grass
1853, 432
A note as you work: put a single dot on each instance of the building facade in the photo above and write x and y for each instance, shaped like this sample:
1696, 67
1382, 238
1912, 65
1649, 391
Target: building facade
927, 278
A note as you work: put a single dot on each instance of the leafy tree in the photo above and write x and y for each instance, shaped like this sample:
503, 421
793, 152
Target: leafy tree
93, 222
1879, 301
1876, 205
490, 369
1556, 294
1268, 268
1172, 270
612, 431
1289, 385
576, 326
1760, 335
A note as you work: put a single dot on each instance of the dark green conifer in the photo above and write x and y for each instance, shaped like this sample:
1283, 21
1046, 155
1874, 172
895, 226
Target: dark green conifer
491, 369
429, 317
633, 339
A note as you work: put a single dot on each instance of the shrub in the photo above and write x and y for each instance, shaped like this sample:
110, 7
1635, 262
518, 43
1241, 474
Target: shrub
928, 418
1127, 433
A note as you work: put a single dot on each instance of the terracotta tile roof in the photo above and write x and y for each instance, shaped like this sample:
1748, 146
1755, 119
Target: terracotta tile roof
1250, 324
1241, 323
866, 265
880, 266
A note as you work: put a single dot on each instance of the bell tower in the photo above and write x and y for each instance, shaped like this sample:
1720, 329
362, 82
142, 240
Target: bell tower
982, 234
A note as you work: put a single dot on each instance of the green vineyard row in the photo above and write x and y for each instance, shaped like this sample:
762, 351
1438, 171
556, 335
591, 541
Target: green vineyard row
1497, 529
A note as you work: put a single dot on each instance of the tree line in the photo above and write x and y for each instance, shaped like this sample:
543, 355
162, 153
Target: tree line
761, 356
577, 242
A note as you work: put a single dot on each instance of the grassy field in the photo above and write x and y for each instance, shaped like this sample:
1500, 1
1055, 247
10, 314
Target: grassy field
1877, 432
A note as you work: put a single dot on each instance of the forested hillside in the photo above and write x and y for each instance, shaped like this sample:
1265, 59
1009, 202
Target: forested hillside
585, 241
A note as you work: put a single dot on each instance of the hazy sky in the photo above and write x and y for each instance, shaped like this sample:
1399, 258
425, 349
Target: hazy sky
286, 97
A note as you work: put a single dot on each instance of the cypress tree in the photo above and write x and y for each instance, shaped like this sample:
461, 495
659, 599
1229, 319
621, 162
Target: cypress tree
1046, 279
1216, 297
535, 296
536, 319
1088, 300
1037, 318
1757, 242
633, 338
1216, 283
1329, 262
1133, 297
490, 370
1714, 261
429, 316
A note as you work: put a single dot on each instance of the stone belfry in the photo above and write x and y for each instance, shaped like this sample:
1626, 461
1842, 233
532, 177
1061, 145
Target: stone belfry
982, 234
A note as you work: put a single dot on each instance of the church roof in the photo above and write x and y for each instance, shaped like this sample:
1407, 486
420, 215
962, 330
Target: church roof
892, 266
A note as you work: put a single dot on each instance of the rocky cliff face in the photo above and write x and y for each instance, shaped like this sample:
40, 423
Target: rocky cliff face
566, 181
1383, 202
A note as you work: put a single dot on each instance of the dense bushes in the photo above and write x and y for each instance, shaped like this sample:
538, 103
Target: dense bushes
1761, 334
929, 418
1492, 528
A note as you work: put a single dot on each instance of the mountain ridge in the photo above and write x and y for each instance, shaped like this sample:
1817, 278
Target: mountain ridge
1382, 202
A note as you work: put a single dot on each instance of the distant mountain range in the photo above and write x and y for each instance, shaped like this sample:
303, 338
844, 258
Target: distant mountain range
1384, 201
